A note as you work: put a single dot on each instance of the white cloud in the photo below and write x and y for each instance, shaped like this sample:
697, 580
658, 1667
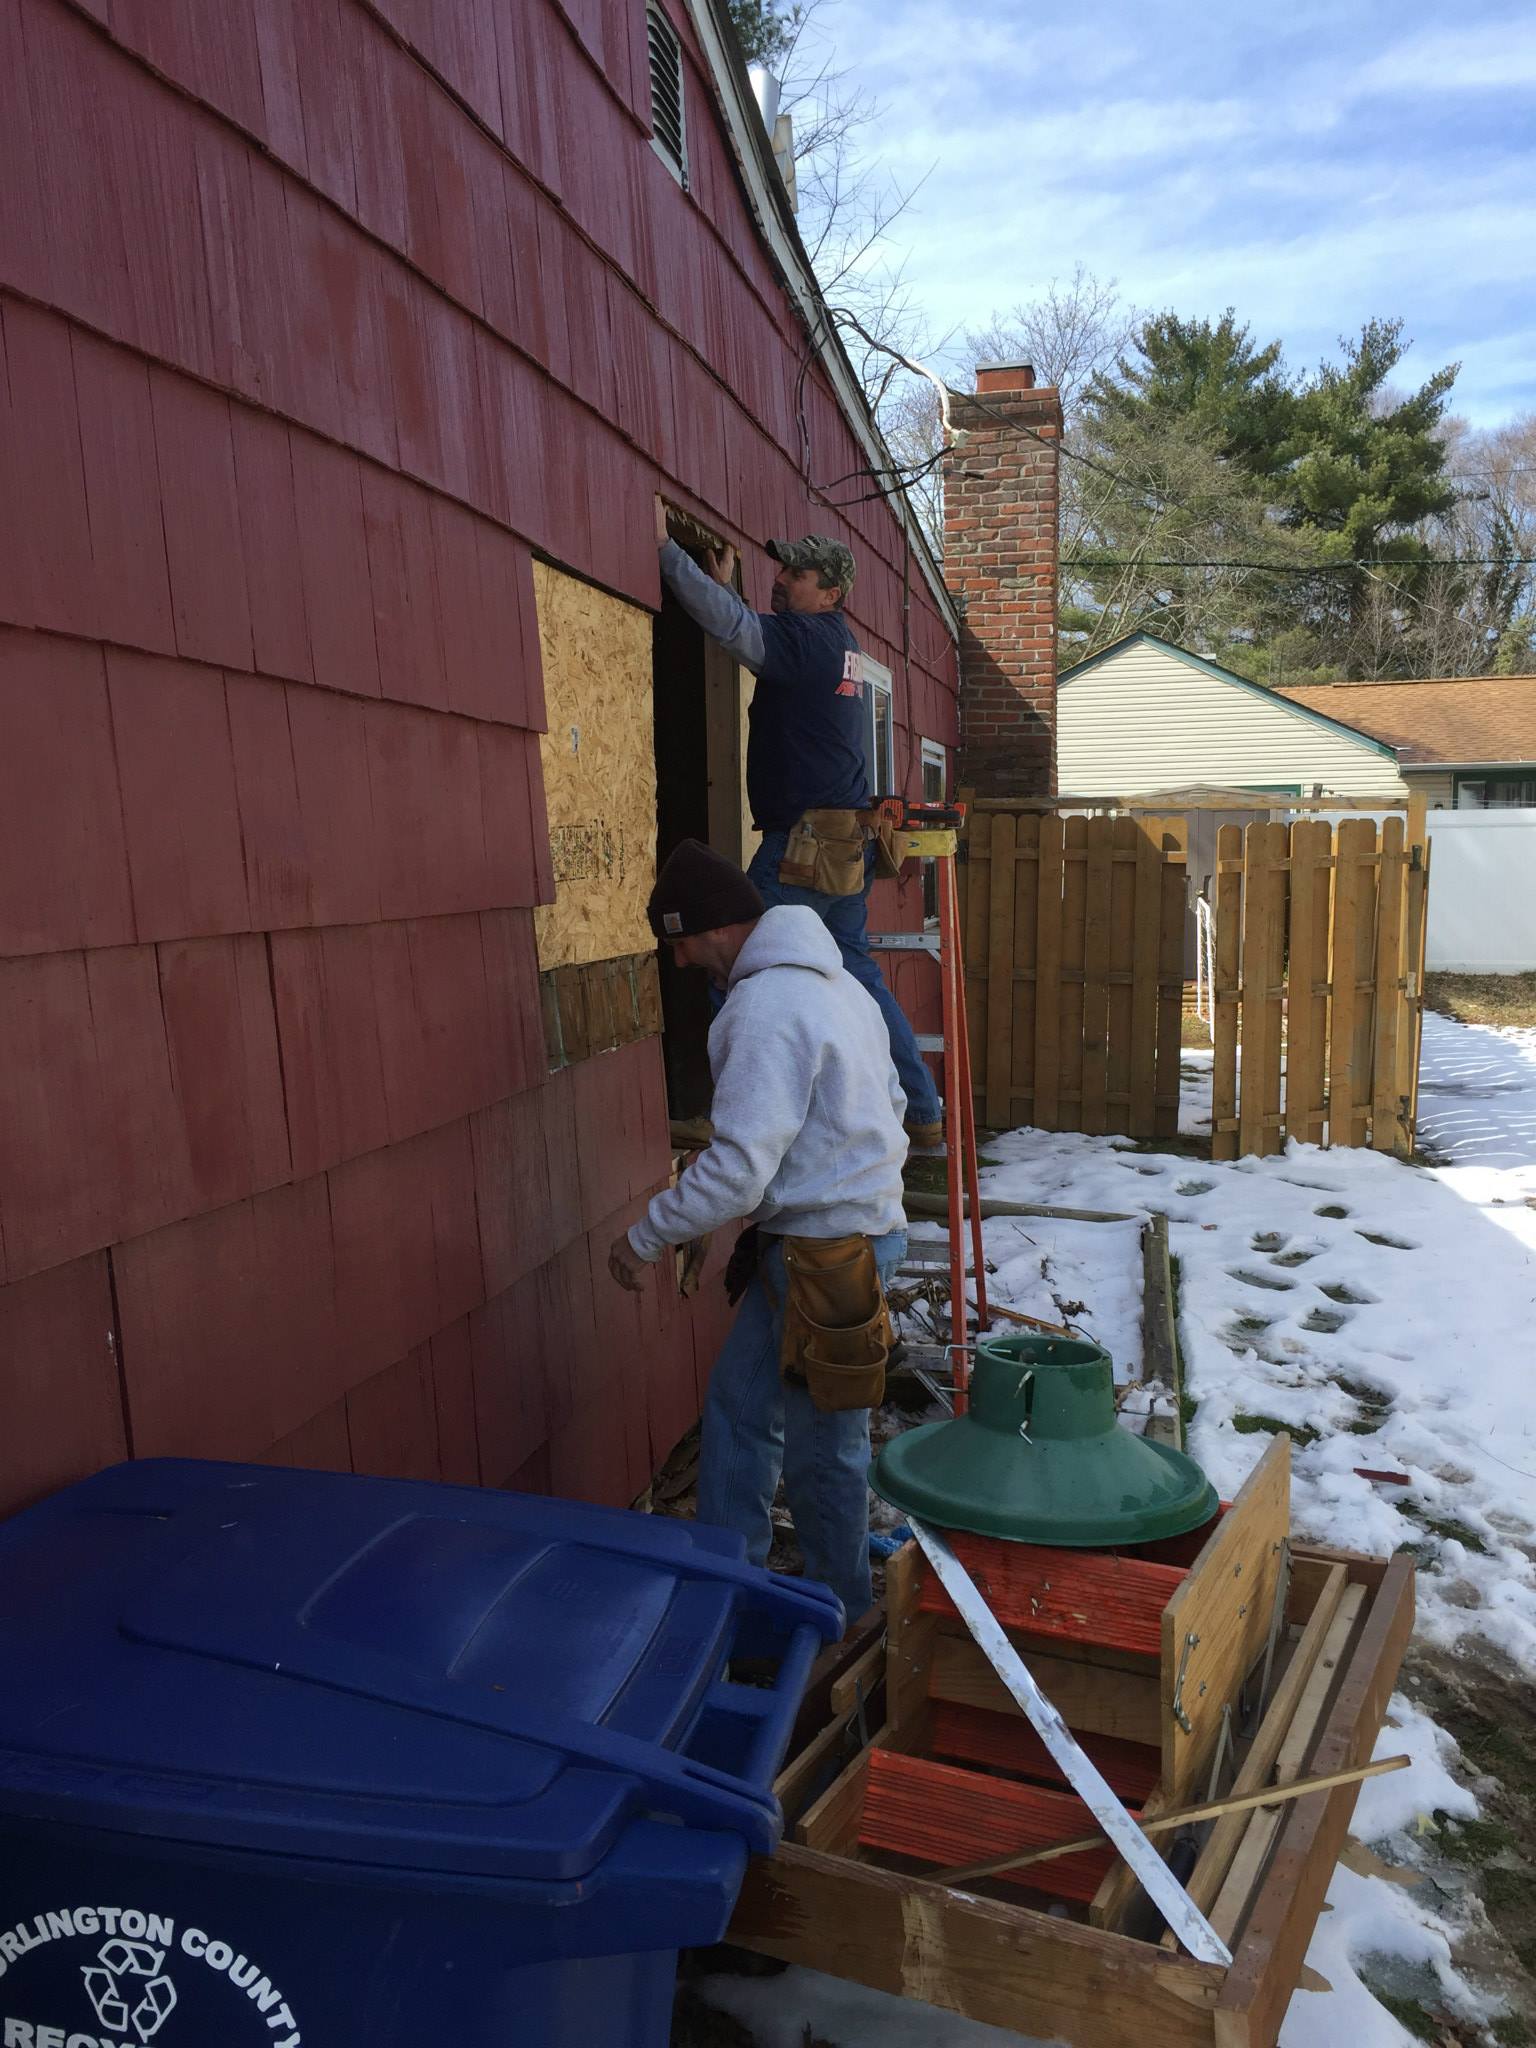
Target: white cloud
1473, 57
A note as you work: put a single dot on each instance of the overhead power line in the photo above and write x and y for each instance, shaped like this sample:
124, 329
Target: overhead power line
1310, 568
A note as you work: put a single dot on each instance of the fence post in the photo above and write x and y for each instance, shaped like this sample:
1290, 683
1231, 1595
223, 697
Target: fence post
1026, 965
1354, 898
1224, 990
1264, 846
1387, 1120
1074, 896
1311, 842
1122, 978
1146, 955
976, 914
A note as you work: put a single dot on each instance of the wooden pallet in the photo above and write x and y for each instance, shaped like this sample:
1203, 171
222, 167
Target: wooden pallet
954, 1770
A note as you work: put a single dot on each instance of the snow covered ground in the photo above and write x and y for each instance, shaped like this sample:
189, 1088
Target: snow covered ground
1384, 1313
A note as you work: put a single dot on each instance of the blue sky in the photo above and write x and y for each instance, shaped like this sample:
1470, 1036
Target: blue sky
1309, 165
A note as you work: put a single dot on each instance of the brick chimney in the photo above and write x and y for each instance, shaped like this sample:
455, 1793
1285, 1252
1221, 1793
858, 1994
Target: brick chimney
1000, 529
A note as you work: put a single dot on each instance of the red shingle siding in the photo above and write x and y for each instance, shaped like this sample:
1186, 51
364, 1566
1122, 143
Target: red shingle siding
316, 322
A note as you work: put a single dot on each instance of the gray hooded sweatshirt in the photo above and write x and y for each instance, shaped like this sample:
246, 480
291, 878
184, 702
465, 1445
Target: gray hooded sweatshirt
807, 1107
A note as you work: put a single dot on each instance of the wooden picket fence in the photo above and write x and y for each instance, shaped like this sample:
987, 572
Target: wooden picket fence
1319, 977
1074, 953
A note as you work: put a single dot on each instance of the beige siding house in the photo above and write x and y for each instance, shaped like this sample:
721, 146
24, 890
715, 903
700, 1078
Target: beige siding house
1145, 715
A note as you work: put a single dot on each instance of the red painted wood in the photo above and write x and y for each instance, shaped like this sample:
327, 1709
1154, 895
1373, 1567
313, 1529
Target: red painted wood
278, 62
430, 845
514, 831
506, 1341
943, 1816
323, 1444
200, 502
392, 1420
1081, 1596
453, 1394
514, 1180
333, 1063
276, 851
177, 779
269, 527
44, 525
1006, 1742
221, 1037
63, 860
58, 1380
229, 1325
409, 618
338, 592
335, 798
407, 1247
130, 571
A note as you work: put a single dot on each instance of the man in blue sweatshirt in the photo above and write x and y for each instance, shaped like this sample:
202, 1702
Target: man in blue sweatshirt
808, 1145
805, 755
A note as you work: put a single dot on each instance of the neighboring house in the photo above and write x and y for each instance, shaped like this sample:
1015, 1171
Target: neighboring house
1465, 742
342, 349
1145, 716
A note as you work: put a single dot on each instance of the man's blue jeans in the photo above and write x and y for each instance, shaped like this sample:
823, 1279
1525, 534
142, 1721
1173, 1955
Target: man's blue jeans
757, 1424
847, 919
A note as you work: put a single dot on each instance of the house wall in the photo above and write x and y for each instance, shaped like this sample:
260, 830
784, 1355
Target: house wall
1437, 786
317, 324
1145, 720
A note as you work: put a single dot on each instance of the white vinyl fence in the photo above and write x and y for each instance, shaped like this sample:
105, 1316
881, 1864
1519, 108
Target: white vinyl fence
1482, 892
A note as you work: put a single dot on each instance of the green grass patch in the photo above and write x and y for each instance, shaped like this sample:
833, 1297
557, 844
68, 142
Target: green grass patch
1476, 1841
1444, 1526
928, 1172
1513, 2032
1300, 1433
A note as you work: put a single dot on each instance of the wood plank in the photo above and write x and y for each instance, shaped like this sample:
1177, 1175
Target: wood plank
1170, 996
1000, 1964
975, 872
1228, 910
1268, 1961
1391, 902
1418, 935
909, 1637
1048, 975
1355, 842
1242, 1880
1097, 897
1122, 976
1026, 923
1146, 952
832, 1821
1322, 922
1301, 1107
1074, 900
1216, 1624
1309, 1714
1111, 1902
1100, 1700
1159, 1331
1222, 1843
858, 1681
999, 1068
794, 1784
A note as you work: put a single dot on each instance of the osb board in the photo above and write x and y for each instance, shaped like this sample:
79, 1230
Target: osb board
599, 772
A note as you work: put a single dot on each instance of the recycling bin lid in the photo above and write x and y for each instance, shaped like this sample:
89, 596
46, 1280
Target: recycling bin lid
384, 1672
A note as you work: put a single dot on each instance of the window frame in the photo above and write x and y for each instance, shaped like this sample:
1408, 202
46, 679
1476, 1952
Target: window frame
1491, 779
878, 686
932, 754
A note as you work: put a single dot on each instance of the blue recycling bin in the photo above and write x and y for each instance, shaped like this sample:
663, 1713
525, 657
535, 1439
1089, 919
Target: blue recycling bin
312, 1761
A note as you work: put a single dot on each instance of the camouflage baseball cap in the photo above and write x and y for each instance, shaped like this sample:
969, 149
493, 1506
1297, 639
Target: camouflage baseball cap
829, 558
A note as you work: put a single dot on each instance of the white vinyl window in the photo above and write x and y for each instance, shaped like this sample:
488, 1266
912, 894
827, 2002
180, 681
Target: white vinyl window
935, 784
879, 729
669, 136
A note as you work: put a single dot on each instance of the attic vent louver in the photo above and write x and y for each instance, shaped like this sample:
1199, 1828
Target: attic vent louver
667, 93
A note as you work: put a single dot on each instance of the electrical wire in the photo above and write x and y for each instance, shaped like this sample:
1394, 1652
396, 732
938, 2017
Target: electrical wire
1309, 568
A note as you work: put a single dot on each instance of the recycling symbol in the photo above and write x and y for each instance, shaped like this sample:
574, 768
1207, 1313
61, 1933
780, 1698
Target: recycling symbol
128, 1988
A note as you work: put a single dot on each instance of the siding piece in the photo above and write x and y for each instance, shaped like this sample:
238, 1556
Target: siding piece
63, 856
131, 587
58, 1369
195, 452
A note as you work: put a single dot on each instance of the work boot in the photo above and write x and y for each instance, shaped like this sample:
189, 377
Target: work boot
925, 1137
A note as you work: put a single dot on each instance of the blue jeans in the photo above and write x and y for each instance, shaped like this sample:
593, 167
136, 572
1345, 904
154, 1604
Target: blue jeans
757, 1424
847, 919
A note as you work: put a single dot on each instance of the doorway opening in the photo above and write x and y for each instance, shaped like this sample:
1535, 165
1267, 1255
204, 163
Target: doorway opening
699, 698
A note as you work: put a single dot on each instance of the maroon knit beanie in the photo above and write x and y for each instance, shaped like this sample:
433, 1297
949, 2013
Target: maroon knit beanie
699, 890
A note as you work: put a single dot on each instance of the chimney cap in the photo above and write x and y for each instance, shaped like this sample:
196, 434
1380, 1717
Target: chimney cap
1005, 376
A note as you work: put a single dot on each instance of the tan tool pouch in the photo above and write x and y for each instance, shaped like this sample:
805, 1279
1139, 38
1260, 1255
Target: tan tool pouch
825, 851
837, 1328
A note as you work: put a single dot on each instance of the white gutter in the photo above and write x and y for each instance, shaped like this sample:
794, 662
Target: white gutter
770, 208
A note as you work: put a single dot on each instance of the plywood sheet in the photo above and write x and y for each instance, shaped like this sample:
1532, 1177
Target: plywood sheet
599, 771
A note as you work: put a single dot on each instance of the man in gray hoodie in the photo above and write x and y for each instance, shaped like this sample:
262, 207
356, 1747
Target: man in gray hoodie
808, 1143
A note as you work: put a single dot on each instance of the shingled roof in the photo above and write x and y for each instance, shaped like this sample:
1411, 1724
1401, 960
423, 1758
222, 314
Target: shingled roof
1482, 719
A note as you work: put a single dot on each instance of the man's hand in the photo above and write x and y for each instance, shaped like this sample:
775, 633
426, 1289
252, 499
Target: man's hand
722, 565
662, 535
625, 1264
